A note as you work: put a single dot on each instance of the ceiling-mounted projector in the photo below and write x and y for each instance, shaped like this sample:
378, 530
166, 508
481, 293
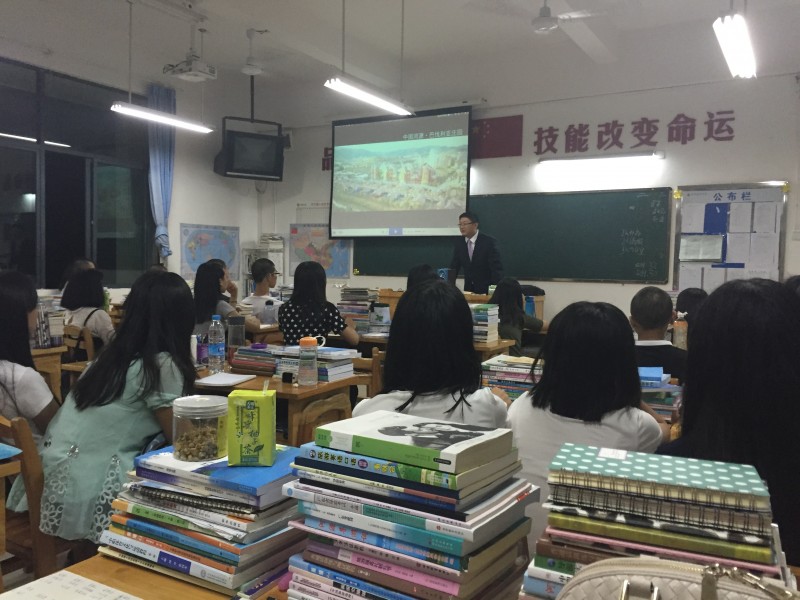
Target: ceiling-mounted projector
192, 69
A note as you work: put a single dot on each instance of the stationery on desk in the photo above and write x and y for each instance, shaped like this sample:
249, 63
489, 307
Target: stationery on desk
64, 585
225, 379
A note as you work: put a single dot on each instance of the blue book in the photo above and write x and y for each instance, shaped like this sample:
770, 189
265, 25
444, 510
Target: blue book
541, 588
297, 562
256, 481
385, 542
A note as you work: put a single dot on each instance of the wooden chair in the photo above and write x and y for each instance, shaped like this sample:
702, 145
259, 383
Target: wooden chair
116, 313
320, 412
35, 550
79, 338
368, 371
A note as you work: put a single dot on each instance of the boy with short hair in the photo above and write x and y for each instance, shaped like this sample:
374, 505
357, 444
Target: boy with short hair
651, 316
265, 307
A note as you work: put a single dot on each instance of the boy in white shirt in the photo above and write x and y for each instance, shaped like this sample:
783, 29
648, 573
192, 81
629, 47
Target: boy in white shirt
265, 307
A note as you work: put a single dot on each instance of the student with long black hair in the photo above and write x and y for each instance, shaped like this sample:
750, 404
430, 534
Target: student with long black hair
741, 401
589, 393
508, 297
23, 392
122, 401
432, 369
308, 312
209, 283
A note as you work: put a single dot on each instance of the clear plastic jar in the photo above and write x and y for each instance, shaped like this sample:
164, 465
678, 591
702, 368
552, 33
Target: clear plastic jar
200, 428
307, 363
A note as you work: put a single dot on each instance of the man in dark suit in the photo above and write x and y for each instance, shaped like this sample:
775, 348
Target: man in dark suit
478, 254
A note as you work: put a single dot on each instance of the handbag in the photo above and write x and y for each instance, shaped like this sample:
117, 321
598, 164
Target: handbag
657, 579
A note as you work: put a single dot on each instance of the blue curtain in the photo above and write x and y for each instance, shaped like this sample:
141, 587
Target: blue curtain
162, 157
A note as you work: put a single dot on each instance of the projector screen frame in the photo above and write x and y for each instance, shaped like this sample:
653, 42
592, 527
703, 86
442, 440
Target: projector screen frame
457, 111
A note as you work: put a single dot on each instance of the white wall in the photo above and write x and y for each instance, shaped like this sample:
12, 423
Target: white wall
766, 147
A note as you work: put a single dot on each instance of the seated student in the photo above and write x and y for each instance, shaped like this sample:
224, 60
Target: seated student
308, 312
651, 315
84, 300
265, 307
122, 401
508, 296
23, 392
230, 289
209, 283
79, 264
431, 368
741, 402
420, 273
589, 393
689, 302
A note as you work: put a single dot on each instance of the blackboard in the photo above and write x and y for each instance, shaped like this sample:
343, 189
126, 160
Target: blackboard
616, 235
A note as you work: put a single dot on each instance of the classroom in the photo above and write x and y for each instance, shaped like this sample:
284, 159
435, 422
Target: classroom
634, 71
609, 77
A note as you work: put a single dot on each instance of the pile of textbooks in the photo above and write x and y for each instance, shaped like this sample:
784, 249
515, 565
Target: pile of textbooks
485, 318
333, 364
606, 503
399, 507
219, 527
355, 304
249, 359
510, 373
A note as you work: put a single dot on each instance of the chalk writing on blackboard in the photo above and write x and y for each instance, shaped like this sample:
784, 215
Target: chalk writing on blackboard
632, 242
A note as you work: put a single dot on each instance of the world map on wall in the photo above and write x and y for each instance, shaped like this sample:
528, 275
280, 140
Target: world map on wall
311, 242
200, 243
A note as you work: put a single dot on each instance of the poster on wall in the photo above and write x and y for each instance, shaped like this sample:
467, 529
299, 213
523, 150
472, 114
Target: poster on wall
311, 242
200, 243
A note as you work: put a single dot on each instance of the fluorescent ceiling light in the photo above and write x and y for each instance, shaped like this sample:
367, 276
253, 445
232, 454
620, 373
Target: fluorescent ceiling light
734, 40
30, 139
148, 114
18, 137
359, 92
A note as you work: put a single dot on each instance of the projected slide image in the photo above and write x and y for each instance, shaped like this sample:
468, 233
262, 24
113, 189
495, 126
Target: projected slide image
427, 174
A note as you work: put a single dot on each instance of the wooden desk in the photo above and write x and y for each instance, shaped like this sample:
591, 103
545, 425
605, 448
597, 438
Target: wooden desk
297, 397
390, 297
48, 362
268, 334
491, 349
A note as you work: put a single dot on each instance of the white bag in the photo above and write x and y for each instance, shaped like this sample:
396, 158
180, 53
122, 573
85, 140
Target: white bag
656, 579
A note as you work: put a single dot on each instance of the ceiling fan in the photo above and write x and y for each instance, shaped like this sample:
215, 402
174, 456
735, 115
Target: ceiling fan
546, 23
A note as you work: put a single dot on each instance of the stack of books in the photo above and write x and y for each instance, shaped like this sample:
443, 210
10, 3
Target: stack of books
485, 318
219, 527
355, 303
510, 373
605, 503
260, 361
399, 507
333, 364
283, 292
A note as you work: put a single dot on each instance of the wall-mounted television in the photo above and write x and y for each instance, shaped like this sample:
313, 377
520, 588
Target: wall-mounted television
400, 176
249, 155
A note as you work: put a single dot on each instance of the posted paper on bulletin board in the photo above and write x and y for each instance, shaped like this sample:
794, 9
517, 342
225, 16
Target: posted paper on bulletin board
729, 234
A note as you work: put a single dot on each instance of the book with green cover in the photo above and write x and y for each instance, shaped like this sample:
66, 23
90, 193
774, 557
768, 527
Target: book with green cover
658, 476
431, 443
667, 539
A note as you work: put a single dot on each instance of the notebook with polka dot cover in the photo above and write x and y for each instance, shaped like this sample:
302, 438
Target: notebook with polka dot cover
652, 475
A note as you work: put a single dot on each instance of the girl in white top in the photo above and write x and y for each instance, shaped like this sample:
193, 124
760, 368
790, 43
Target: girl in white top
431, 367
589, 393
23, 392
84, 300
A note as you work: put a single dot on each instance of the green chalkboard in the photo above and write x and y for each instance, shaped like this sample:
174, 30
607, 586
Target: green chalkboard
617, 235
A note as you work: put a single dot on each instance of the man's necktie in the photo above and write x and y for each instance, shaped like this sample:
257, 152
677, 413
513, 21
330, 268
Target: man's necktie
470, 248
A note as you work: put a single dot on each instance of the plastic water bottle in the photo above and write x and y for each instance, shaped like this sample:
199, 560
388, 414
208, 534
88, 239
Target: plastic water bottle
307, 365
216, 345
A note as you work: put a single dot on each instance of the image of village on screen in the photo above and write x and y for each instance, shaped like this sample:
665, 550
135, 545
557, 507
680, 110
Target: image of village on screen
400, 177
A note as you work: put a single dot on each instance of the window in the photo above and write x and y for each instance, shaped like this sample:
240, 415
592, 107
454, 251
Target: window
73, 178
